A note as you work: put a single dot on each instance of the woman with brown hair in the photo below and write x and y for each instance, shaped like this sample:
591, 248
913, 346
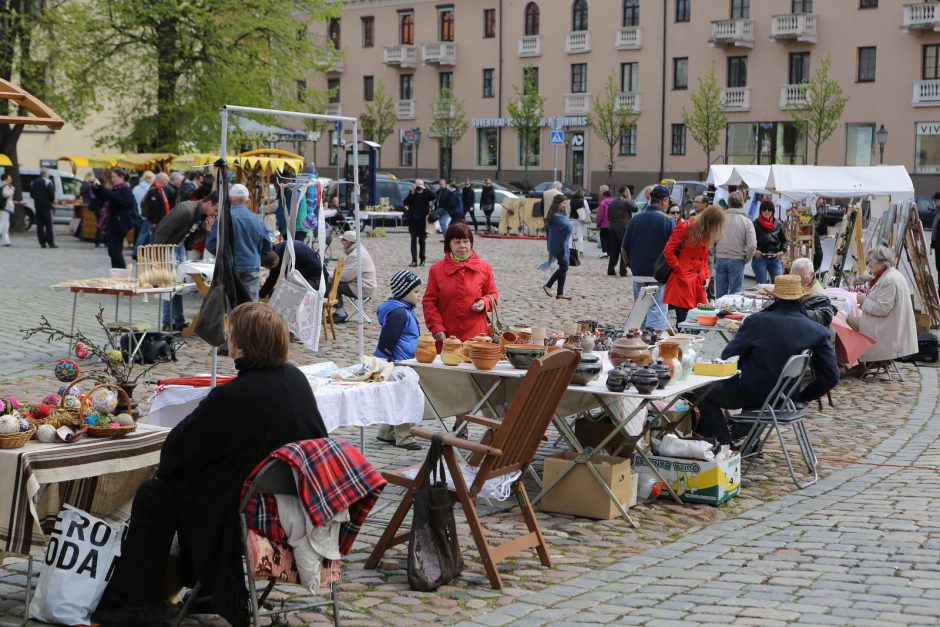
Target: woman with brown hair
558, 230
686, 252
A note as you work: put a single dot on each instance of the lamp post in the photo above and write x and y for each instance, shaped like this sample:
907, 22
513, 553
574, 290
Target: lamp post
417, 132
882, 136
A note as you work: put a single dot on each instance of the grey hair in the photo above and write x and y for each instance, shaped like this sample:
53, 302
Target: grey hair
736, 199
801, 264
557, 185
884, 256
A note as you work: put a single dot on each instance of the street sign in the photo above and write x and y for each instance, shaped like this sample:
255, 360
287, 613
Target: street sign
577, 139
556, 138
338, 125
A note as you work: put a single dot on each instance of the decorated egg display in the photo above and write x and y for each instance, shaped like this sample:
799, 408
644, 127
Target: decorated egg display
9, 424
38, 411
45, 433
72, 402
91, 420
114, 424
124, 419
12, 404
52, 399
81, 351
103, 420
24, 424
104, 400
115, 356
66, 370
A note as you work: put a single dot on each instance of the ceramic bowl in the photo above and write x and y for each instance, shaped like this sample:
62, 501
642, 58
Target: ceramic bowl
585, 373
451, 359
523, 355
707, 321
484, 363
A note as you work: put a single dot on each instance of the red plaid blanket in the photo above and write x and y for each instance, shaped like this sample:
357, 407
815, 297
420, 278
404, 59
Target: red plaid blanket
332, 476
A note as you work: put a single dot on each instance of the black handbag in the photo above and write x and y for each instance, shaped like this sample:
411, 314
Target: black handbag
434, 216
661, 268
434, 557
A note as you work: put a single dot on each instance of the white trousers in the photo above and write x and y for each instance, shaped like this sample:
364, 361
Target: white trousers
4, 227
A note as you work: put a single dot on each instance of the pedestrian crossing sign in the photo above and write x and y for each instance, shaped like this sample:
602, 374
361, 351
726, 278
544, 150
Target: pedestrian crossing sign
556, 137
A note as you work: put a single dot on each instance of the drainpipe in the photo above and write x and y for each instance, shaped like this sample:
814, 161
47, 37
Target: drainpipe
499, 90
662, 103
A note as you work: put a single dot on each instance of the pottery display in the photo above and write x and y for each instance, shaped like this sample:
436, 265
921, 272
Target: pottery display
484, 363
671, 354
451, 359
425, 354
508, 337
663, 373
630, 347
523, 355
586, 372
689, 351
645, 380
619, 379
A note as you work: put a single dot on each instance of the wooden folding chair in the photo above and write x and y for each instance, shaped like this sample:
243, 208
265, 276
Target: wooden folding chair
331, 299
507, 446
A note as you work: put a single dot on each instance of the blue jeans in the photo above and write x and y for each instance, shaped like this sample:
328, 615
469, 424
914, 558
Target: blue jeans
766, 268
178, 319
445, 222
655, 317
144, 237
729, 276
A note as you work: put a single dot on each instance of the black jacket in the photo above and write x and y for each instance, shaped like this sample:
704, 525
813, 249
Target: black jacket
121, 206
42, 191
487, 198
186, 190
207, 457
469, 198
153, 208
306, 261
819, 309
770, 242
619, 213
577, 202
419, 205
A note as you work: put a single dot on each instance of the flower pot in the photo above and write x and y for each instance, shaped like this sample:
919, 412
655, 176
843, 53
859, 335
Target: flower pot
123, 407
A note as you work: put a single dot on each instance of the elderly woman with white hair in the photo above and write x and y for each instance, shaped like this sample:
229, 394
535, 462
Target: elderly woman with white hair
887, 312
818, 306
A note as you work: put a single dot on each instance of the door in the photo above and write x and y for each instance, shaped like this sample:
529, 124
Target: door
577, 159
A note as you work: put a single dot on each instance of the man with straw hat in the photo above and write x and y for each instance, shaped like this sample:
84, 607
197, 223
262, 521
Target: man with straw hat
764, 343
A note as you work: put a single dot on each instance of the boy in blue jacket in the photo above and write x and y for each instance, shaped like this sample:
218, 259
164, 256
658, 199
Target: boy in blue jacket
398, 341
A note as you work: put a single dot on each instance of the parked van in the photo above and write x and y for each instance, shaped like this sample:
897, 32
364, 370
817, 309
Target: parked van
67, 187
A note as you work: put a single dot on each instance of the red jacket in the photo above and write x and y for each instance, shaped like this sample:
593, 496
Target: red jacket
686, 285
453, 287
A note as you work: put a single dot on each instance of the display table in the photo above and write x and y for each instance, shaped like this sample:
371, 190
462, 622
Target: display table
371, 216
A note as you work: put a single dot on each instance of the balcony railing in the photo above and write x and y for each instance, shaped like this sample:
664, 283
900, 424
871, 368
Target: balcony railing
792, 96
926, 94
402, 55
578, 41
629, 100
629, 38
405, 109
530, 46
921, 16
334, 108
577, 104
739, 33
440, 53
335, 63
736, 98
798, 26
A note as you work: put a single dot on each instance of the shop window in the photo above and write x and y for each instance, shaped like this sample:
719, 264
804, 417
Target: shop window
927, 148
534, 156
860, 144
487, 146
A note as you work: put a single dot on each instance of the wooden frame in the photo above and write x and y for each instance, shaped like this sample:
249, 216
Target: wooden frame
332, 300
42, 114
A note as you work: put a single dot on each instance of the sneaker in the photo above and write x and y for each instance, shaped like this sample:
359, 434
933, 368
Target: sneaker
339, 319
603, 255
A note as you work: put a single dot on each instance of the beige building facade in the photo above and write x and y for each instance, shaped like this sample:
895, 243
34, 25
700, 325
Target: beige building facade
885, 54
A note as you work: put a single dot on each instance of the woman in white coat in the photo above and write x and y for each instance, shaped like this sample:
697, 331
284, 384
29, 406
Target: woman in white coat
887, 311
6, 207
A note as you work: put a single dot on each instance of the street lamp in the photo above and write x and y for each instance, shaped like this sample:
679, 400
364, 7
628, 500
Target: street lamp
882, 135
417, 133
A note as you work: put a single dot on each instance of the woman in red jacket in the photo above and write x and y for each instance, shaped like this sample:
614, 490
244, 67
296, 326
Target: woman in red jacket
461, 288
686, 252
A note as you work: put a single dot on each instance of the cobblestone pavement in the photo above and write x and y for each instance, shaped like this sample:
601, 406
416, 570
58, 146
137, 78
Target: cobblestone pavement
592, 558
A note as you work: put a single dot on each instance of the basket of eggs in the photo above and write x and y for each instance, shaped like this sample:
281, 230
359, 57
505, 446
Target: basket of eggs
103, 423
15, 431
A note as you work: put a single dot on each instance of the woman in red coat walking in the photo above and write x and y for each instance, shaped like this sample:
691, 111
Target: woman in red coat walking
686, 252
461, 289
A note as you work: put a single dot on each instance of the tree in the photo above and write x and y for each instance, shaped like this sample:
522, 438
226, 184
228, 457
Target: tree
708, 119
378, 120
819, 116
525, 113
609, 118
449, 125
164, 69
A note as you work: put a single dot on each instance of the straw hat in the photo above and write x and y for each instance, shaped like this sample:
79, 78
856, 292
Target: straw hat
787, 287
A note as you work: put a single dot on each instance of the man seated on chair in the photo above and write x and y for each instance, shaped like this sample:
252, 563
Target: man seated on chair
203, 464
764, 343
306, 261
818, 306
355, 256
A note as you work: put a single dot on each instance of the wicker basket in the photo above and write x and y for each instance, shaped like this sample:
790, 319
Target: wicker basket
16, 440
110, 432
64, 416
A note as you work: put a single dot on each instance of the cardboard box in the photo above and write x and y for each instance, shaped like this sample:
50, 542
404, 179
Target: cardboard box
714, 370
590, 433
578, 492
696, 480
923, 322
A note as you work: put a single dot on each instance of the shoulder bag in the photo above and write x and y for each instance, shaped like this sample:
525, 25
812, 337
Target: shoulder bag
496, 326
584, 216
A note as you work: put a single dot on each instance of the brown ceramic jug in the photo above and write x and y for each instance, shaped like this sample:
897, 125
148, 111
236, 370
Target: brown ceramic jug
630, 348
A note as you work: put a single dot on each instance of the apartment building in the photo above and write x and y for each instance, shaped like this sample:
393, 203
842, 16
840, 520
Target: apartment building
885, 54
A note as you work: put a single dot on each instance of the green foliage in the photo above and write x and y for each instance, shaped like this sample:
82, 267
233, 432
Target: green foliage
449, 125
525, 114
707, 120
378, 120
825, 102
609, 119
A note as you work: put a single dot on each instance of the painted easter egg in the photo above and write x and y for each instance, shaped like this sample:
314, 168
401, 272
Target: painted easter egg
66, 370
45, 433
72, 402
3, 407
12, 404
91, 420
103, 420
114, 424
52, 399
115, 356
25, 425
104, 400
81, 351
124, 419
9, 424
65, 390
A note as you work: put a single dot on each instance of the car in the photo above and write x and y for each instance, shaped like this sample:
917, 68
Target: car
538, 190
499, 185
682, 193
67, 187
926, 210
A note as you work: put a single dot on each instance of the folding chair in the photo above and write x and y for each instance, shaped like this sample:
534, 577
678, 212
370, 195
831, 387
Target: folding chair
779, 410
331, 299
360, 309
506, 447
888, 367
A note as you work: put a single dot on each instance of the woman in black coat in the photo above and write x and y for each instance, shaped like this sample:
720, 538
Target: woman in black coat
418, 205
203, 464
771, 244
119, 203
488, 203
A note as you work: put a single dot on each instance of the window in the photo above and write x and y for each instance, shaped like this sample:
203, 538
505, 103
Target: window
579, 15
368, 87
534, 152
680, 73
578, 78
629, 77
406, 29
868, 4
631, 12
301, 91
488, 91
683, 10
737, 71
740, 9
765, 143
530, 73
406, 154
406, 86
628, 141
446, 24
445, 80
678, 139
866, 64
489, 23
332, 84
927, 148
799, 68
860, 144
487, 146
801, 6
333, 33
531, 19
368, 32
930, 69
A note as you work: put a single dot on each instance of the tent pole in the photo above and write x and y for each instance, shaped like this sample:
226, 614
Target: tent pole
223, 147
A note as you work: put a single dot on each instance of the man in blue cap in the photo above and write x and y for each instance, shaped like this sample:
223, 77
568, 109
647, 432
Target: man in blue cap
643, 243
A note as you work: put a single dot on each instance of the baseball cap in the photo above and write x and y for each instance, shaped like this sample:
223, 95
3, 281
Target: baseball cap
659, 192
349, 236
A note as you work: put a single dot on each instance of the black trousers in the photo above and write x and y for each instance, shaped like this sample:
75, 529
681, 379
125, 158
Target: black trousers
614, 242
473, 217
44, 227
489, 219
559, 275
417, 242
605, 233
116, 247
345, 289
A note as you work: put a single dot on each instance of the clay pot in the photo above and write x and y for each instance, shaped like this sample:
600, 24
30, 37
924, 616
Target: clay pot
645, 380
451, 345
632, 348
671, 354
425, 354
663, 373
484, 363
619, 379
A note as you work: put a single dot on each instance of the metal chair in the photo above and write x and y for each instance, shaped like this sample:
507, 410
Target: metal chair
359, 308
779, 410
887, 367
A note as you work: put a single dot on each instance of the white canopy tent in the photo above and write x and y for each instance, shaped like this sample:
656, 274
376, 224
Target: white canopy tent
802, 181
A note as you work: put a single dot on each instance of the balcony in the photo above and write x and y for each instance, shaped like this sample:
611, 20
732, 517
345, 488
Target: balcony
530, 46
920, 17
334, 63
333, 108
578, 41
445, 112
577, 104
629, 101
736, 98
402, 55
733, 33
629, 38
405, 109
926, 94
439, 53
794, 27
792, 96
